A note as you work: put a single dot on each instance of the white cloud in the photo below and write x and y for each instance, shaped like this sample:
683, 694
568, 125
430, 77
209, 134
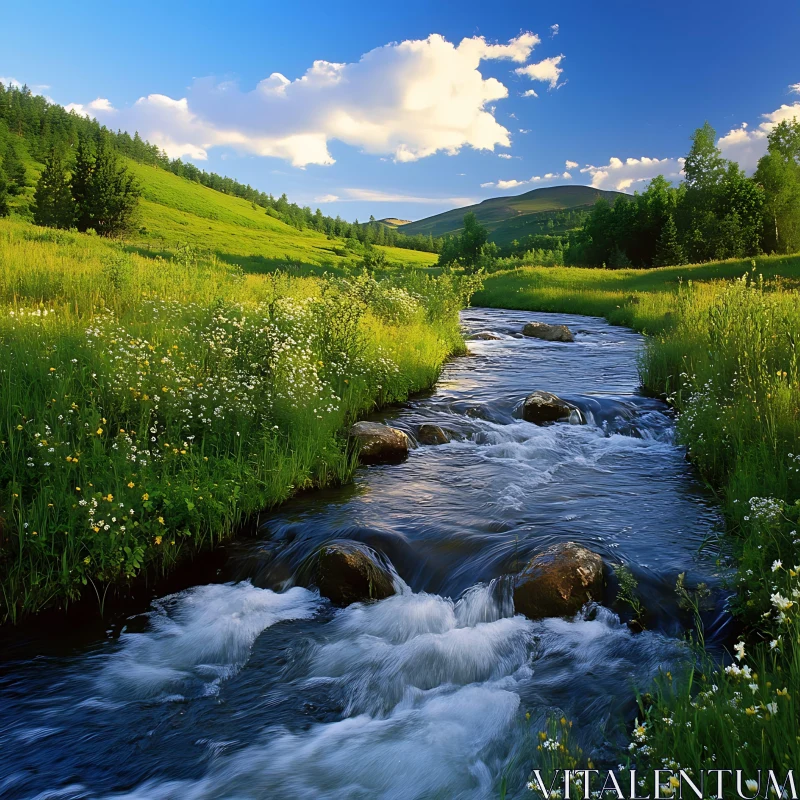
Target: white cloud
553, 30
746, 146
376, 196
514, 183
524, 130
98, 105
547, 71
622, 175
530, 93
38, 88
794, 88
504, 155
570, 164
407, 100
326, 198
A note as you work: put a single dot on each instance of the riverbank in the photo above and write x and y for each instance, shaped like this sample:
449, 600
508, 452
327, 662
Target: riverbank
723, 350
148, 406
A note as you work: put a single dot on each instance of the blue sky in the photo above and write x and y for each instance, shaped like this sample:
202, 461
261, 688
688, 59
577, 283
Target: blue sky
636, 78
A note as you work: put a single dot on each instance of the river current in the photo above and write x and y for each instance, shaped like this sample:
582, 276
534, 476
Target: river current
251, 687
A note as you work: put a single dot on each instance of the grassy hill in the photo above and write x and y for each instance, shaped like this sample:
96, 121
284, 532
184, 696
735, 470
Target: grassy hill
175, 211
393, 222
509, 218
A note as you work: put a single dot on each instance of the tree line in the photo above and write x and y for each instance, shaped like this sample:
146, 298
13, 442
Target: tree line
52, 134
716, 212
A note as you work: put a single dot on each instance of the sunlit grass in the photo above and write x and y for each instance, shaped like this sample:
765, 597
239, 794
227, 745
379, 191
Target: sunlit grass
147, 406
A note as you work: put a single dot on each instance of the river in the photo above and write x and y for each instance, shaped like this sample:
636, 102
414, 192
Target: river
251, 687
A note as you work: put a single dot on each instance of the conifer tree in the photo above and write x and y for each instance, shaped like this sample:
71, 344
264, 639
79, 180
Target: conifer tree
14, 169
669, 252
53, 203
4, 207
82, 184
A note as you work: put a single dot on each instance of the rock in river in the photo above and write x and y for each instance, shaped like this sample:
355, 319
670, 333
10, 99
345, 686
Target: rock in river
484, 335
558, 582
348, 572
432, 434
550, 333
540, 407
379, 444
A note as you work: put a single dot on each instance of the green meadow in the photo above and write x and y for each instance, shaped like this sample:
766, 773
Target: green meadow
149, 403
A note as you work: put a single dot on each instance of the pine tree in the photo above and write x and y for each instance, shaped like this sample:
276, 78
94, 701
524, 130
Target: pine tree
114, 193
82, 184
14, 169
669, 252
4, 207
53, 203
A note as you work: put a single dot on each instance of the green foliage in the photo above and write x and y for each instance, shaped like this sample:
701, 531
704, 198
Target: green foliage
779, 174
14, 170
627, 592
668, 248
53, 204
470, 249
5, 209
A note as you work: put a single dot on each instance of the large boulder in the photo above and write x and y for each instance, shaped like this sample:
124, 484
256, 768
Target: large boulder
550, 333
484, 336
558, 582
379, 444
432, 434
348, 572
542, 407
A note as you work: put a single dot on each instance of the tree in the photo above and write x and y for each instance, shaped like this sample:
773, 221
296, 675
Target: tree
53, 203
778, 173
82, 184
469, 249
668, 248
14, 169
105, 193
4, 207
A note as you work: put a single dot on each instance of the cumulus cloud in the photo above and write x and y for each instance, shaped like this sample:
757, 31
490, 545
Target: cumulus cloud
504, 155
553, 30
326, 198
622, 175
99, 105
747, 146
530, 93
570, 164
547, 71
407, 100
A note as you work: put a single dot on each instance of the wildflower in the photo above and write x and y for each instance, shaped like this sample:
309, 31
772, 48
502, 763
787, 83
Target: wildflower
772, 708
739, 648
751, 785
131, 484
780, 602
774, 643
783, 693
99, 431
157, 540
161, 520
751, 711
776, 565
145, 496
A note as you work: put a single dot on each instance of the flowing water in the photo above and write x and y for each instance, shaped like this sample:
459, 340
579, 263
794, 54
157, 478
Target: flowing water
252, 687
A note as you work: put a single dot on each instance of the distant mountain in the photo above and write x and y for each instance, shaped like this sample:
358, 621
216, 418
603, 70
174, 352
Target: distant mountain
515, 217
393, 222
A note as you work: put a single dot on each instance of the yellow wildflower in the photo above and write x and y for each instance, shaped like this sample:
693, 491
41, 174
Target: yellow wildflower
158, 540
131, 484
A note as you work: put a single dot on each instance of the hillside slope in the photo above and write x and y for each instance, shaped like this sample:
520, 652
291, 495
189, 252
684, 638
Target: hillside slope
509, 218
176, 211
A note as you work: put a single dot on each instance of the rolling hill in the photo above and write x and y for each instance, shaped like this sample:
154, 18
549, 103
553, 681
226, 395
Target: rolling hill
509, 218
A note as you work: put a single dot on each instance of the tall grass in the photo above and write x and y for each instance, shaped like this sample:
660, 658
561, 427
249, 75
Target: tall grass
724, 351
147, 406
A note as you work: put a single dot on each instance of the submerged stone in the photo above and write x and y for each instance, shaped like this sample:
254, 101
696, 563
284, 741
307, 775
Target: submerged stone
542, 407
484, 336
379, 444
550, 333
348, 572
432, 434
559, 581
